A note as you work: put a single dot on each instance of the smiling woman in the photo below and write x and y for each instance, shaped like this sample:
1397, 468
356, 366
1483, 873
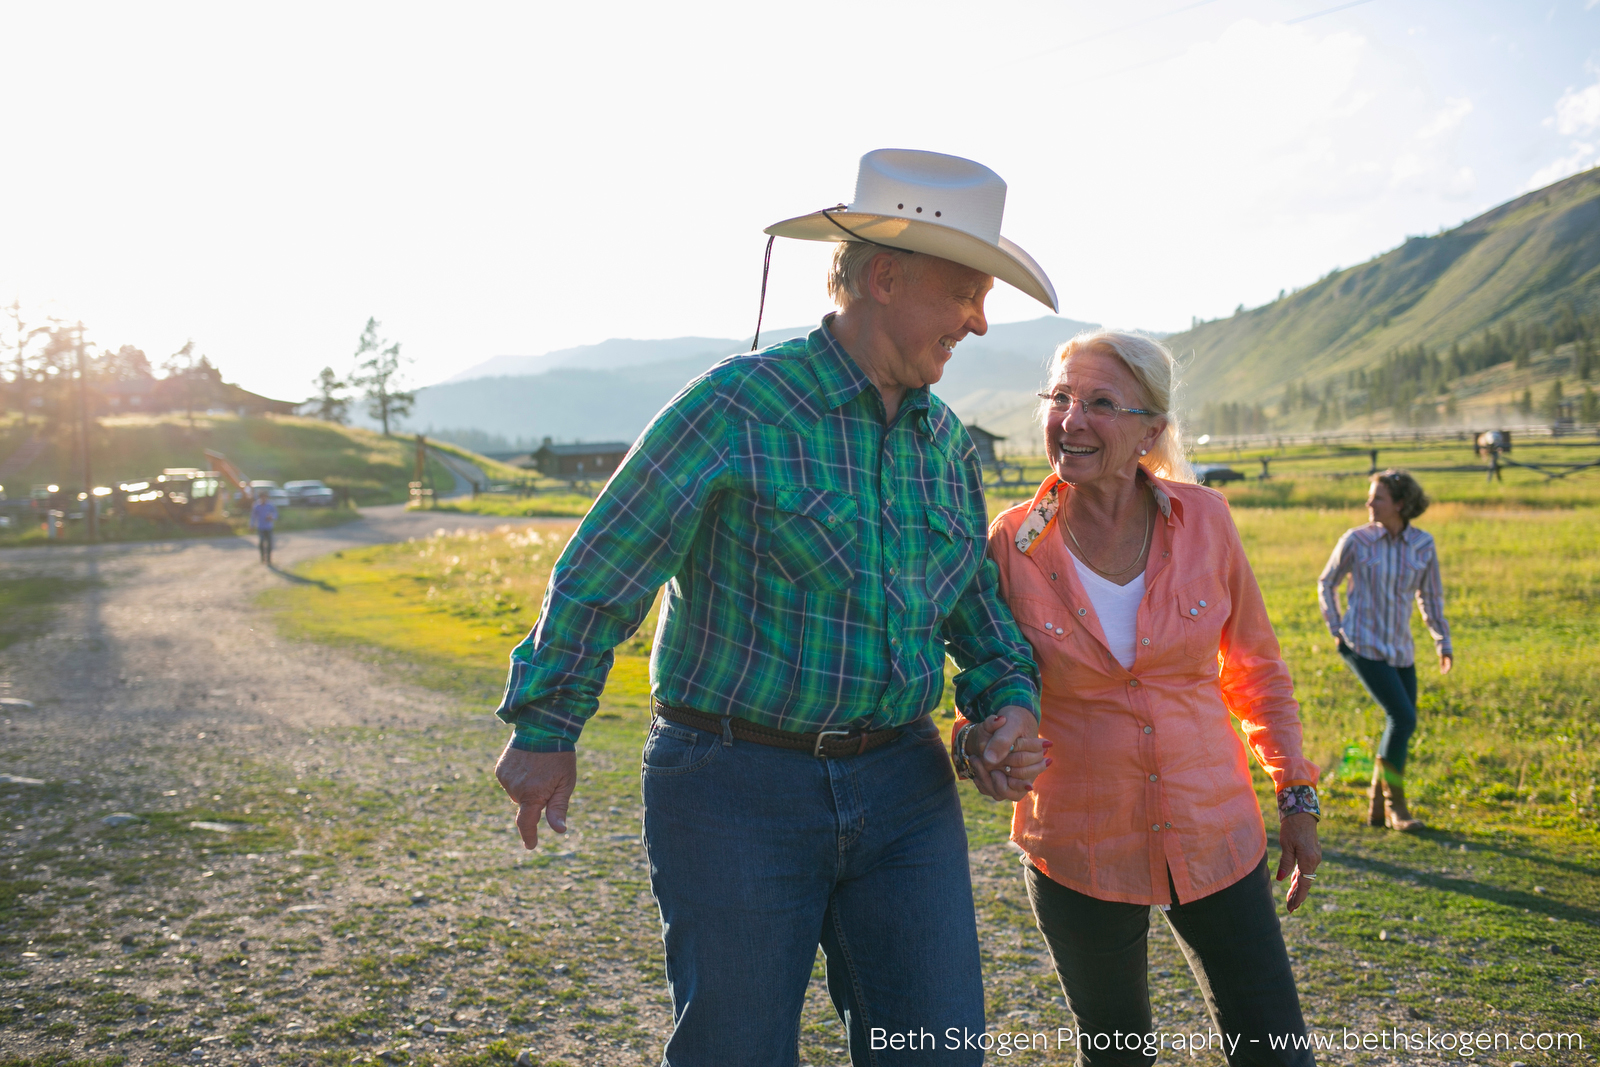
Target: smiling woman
1151, 636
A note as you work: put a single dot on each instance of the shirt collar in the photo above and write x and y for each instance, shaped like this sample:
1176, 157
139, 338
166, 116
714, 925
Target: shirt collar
841, 377
1042, 509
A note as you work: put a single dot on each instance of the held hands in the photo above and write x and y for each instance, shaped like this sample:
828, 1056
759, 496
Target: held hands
1297, 841
538, 782
1006, 754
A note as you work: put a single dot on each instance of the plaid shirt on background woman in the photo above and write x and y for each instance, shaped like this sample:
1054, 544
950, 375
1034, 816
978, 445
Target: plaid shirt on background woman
1386, 570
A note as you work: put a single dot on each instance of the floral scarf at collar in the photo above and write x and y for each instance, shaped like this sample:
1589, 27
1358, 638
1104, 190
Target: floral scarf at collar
1047, 501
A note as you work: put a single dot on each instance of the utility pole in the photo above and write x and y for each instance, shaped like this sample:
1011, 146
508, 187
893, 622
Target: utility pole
91, 503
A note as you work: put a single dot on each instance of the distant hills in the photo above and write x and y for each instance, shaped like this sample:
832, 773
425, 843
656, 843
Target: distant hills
610, 391
1519, 271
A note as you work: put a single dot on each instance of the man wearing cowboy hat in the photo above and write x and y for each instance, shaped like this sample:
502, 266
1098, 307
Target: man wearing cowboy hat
817, 518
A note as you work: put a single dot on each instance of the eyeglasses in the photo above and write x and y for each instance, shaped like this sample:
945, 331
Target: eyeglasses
1100, 407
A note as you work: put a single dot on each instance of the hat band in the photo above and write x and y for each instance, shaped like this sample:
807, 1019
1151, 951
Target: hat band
854, 234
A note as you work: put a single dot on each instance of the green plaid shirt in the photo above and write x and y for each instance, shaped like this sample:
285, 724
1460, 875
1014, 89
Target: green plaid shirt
817, 563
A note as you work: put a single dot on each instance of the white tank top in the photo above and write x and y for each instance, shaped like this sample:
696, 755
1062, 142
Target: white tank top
1118, 609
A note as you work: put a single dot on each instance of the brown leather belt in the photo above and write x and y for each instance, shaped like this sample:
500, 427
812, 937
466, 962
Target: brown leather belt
824, 744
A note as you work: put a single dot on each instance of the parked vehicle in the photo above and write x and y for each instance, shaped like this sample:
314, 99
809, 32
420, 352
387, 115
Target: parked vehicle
275, 496
1215, 474
310, 493
177, 494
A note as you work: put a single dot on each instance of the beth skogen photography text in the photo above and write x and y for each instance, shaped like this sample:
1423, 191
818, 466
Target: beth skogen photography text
801, 534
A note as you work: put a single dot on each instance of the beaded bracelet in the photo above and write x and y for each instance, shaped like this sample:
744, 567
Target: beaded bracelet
959, 755
1296, 799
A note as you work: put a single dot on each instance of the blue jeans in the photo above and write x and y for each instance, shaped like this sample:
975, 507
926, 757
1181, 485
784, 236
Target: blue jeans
1395, 690
759, 854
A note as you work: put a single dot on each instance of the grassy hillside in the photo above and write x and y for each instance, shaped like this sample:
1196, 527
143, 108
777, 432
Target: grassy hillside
374, 469
1522, 263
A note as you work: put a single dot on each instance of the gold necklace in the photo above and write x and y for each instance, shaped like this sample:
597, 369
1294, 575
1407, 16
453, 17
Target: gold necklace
1149, 526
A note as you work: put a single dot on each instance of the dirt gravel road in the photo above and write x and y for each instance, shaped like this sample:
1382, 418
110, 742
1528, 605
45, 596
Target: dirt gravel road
319, 868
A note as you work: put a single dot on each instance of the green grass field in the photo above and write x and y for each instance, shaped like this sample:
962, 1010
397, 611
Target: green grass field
1324, 476
1489, 919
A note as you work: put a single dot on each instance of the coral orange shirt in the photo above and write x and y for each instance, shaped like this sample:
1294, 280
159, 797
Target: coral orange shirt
1148, 774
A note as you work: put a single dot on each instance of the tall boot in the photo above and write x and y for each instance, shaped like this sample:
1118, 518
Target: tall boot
1394, 800
1375, 796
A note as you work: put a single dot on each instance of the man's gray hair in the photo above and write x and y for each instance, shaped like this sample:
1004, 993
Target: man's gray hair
847, 276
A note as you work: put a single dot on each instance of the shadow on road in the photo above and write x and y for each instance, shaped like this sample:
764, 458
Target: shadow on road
298, 580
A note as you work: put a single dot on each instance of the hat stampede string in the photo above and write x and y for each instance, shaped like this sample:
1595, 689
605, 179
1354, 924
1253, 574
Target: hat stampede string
766, 263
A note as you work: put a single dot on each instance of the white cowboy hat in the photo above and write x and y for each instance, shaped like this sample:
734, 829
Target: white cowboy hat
928, 202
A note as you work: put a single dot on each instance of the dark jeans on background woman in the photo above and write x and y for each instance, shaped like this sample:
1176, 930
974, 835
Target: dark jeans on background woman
1395, 690
1234, 946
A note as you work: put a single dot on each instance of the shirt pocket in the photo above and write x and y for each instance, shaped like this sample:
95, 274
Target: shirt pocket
1046, 624
1203, 609
811, 540
954, 552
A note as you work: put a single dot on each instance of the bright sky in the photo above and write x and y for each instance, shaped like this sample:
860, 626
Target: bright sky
513, 178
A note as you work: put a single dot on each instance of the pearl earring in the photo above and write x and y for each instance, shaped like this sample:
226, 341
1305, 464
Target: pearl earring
1143, 452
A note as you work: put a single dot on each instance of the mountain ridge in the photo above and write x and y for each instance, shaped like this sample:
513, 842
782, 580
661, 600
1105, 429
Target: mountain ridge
1517, 262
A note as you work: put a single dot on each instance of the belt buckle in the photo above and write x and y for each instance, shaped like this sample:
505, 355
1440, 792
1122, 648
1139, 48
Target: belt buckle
816, 749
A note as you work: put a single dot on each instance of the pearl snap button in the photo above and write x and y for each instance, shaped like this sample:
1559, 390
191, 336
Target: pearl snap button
1147, 729
1059, 630
1083, 611
1134, 683
1145, 641
1202, 603
1152, 777
1155, 826
1194, 611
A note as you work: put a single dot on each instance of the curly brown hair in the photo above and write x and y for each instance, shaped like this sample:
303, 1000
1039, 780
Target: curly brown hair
1405, 491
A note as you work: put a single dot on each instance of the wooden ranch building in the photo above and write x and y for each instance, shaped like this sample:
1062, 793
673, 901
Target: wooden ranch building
595, 460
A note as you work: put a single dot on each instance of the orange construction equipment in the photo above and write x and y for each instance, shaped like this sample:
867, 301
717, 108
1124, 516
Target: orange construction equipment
220, 463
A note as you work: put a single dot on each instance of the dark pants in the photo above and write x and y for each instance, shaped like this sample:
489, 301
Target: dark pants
1395, 690
264, 542
760, 854
1234, 946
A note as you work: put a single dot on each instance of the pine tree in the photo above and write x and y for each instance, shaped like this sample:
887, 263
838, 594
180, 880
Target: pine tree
332, 405
378, 374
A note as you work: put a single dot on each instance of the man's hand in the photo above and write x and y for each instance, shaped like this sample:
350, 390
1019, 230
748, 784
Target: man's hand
1006, 754
1300, 854
1446, 661
538, 782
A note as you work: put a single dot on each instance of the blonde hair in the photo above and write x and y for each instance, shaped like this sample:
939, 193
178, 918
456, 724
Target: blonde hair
850, 261
1152, 366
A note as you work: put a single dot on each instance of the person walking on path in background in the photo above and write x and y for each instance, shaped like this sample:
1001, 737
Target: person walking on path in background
1389, 561
262, 518
816, 515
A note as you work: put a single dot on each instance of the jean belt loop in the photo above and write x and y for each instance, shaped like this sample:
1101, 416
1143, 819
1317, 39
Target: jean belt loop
727, 731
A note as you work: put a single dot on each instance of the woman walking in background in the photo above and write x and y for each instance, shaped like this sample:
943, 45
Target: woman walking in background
1389, 561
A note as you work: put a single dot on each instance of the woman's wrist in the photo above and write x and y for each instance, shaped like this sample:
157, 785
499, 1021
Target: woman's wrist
1299, 800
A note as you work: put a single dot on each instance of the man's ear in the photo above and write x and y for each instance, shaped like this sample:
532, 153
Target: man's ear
884, 276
